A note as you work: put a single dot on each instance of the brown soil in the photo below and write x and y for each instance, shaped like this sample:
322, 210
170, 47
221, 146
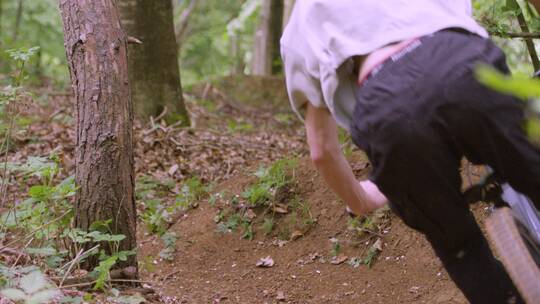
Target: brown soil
211, 267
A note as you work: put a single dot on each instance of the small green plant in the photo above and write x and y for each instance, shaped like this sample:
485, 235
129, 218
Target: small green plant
346, 142
12, 98
116, 297
371, 254
336, 247
267, 226
208, 105
33, 288
270, 179
192, 191
169, 240
235, 126
370, 225
271, 194
284, 118
47, 202
157, 215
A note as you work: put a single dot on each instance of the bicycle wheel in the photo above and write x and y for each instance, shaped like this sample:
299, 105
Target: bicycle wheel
519, 253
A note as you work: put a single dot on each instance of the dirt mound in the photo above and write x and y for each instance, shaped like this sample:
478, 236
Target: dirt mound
262, 92
213, 267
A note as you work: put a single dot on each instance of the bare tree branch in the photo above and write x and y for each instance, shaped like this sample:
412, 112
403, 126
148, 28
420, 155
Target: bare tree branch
534, 35
182, 24
530, 43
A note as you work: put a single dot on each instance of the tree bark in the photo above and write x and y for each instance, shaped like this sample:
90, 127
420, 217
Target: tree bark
96, 48
1, 17
154, 73
536, 4
529, 42
266, 52
288, 6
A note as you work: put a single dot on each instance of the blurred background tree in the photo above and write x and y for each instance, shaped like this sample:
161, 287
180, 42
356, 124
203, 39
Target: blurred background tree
27, 23
216, 38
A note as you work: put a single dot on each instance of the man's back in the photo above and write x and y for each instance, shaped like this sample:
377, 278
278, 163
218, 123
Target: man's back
323, 34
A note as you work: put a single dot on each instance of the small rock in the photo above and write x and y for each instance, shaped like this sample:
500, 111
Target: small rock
296, 235
265, 262
280, 296
339, 259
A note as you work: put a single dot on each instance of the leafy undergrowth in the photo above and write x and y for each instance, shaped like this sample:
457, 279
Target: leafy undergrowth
270, 205
175, 168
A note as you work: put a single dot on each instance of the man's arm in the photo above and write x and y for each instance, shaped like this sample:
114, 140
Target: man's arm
361, 197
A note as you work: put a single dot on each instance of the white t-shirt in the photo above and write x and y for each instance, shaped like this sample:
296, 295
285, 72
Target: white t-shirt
322, 36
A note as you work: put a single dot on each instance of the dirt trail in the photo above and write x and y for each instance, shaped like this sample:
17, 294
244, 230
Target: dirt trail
211, 267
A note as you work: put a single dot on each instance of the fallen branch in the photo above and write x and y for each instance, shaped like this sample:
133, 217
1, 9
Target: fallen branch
133, 40
534, 35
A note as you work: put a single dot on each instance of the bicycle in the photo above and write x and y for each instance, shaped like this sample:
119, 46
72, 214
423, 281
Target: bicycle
513, 227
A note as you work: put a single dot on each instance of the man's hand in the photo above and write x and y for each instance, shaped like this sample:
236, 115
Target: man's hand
375, 198
326, 154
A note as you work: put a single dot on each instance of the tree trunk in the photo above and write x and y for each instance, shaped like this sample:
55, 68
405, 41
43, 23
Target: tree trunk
266, 54
288, 6
528, 42
154, 73
96, 48
236, 55
1, 17
536, 4
18, 20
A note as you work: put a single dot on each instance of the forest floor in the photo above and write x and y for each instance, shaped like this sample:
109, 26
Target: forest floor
293, 243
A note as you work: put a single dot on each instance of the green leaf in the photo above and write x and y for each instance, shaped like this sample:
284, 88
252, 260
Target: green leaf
102, 271
33, 282
41, 193
44, 296
101, 226
519, 85
511, 6
136, 299
13, 294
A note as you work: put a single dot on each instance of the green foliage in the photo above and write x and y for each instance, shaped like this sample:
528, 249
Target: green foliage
157, 214
214, 27
46, 215
270, 179
336, 247
267, 225
101, 272
520, 86
193, 190
47, 203
33, 289
499, 17
169, 240
235, 126
40, 25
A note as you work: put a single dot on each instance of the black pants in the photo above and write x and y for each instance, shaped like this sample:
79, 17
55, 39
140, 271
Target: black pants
416, 119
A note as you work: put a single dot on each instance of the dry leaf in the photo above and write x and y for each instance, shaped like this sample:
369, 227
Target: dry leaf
339, 259
280, 296
378, 245
265, 262
280, 208
173, 169
250, 214
296, 235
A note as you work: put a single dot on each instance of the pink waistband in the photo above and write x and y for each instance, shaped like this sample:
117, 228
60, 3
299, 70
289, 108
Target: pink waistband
402, 46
